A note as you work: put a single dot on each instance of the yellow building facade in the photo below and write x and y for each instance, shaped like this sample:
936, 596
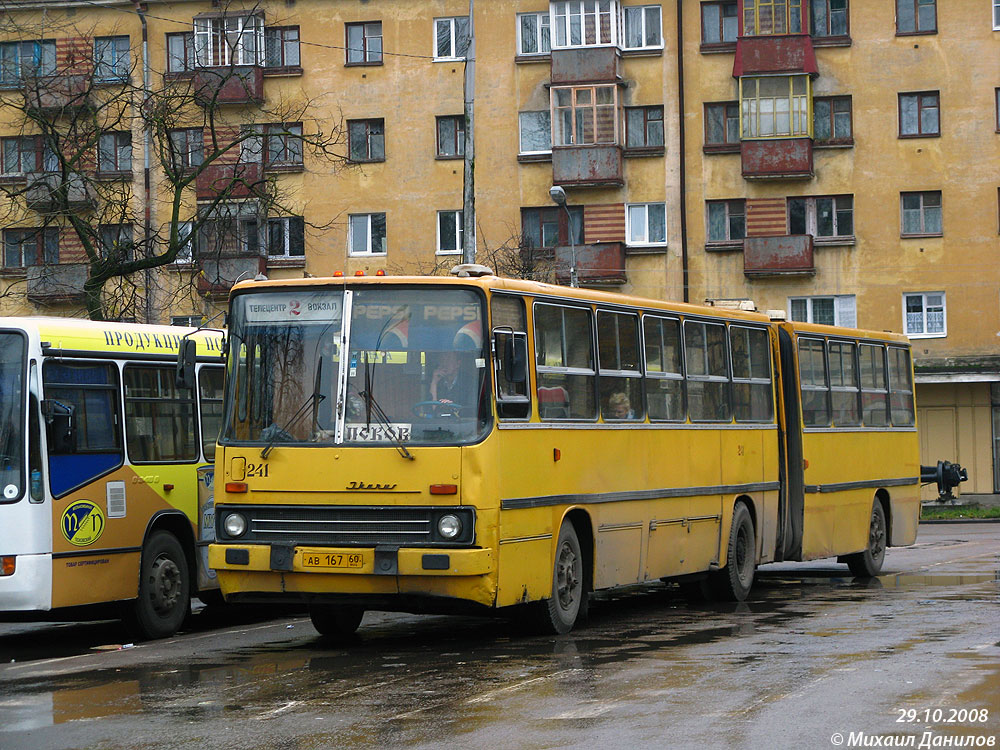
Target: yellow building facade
834, 159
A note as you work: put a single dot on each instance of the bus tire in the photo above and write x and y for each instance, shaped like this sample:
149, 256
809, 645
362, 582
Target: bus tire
568, 603
733, 582
336, 622
868, 563
164, 599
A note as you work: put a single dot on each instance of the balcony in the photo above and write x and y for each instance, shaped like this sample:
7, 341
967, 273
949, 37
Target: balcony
780, 255
600, 264
236, 85
777, 159
788, 53
598, 165
239, 180
586, 65
49, 192
217, 275
57, 95
56, 283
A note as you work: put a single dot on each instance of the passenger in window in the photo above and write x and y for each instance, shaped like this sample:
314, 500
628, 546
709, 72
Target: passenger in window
619, 407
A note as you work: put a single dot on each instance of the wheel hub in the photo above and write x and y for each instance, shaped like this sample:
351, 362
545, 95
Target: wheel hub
166, 584
567, 576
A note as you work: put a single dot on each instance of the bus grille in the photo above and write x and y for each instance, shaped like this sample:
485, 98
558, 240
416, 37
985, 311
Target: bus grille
355, 526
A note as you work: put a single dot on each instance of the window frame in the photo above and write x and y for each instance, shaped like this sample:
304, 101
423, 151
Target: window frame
571, 371
43, 55
812, 218
996, 101
829, 38
370, 251
795, 108
751, 379
119, 158
813, 387
677, 376
645, 147
160, 403
729, 240
575, 108
723, 45
645, 242
751, 9
290, 226
459, 237
908, 390
920, 108
457, 123
540, 37
188, 66
547, 215
369, 56
283, 133
724, 379
520, 132
996, 15
282, 46
561, 23
184, 157
924, 311
838, 313
917, 30
923, 213
211, 44
45, 161
204, 400
111, 42
50, 246
643, 10
638, 414
454, 40
368, 123
730, 113
110, 235
834, 140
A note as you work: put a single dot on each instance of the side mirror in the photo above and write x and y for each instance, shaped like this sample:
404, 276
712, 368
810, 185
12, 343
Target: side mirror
61, 421
186, 354
515, 358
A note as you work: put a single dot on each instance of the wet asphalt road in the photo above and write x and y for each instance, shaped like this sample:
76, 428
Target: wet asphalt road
813, 657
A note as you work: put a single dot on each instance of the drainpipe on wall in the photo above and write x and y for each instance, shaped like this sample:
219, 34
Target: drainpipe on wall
683, 164
147, 138
469, 163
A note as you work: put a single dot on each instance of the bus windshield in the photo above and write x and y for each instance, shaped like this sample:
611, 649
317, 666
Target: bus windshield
413, 371
11, 417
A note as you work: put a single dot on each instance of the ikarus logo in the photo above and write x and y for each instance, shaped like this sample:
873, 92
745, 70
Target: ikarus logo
82, 523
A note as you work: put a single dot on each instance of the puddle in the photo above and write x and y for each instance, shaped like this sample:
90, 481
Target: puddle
910, 579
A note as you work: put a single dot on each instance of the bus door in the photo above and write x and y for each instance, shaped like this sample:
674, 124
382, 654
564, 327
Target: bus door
792, 504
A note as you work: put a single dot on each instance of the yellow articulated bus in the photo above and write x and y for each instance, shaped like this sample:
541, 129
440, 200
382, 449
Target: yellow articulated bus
438, 445
102, 459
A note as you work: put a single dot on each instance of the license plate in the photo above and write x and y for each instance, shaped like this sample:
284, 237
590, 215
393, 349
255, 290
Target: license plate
333, 560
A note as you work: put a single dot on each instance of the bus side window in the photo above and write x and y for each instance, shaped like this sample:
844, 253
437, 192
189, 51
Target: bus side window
210, 381
564, 362
813, 381
91, 391
705, 350
751, 353
159, 416
900, 387
874, 390
510, 326
618, 358
664, 376
843, 384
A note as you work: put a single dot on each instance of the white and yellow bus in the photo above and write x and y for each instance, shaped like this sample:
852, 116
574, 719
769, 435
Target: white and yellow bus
438, 445
102, 458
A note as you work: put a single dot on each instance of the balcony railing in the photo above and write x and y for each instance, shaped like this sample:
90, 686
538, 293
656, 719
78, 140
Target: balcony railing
781, 255
236, 85
217, 275
56, 283
59, 94
586, 65
239, 180
596, 165
49, 192
599, 264
777, 158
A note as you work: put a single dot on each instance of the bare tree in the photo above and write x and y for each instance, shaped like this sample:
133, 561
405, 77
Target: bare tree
211, 151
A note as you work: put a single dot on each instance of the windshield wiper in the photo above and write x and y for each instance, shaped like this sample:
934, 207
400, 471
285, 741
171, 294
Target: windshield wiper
383, 419
272, 432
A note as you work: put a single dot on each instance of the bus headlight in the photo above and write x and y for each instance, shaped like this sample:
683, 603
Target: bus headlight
235, 524
449, 526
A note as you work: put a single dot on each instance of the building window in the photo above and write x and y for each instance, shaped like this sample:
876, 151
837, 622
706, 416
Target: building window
533, 34
925, 314
116, 241
916, 16
451, 38
996, 96
774, 107
584, 23
188, 321
720, 23
919, 114
996, 27
232, 231
834, 310
286, 237
643, 27
828, 18
366, 140
451, 136
26, 154
366, 234
185, 253
180, 52
228, 40
30, 247
584, 115
114, 153
364, 43
111, 58
764, 17
921, 213
722, 126
281, 47
832, 124
449, 232
535, 132
824, 218
283, 145
727, 221
22, 59
644, 127
548, 228
187, 148
646, 223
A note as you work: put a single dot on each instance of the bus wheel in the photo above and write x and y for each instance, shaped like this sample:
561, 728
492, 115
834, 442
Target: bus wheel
559, 613
334, 621
164, 588
868, 563
733, 582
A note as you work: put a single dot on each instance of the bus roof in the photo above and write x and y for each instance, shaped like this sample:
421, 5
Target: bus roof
859, 333
76, 335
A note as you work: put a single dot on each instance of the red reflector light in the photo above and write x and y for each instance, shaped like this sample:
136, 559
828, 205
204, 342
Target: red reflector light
337, 274
359, 273
236, 486
444, 489
7, 565
380, 272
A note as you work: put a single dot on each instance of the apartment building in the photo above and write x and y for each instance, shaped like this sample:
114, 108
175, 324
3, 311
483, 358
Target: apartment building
835, 159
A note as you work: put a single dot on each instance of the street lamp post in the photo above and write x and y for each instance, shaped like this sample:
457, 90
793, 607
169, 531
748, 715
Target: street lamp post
558, 196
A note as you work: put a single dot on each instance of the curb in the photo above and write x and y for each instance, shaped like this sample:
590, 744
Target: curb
959, 520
